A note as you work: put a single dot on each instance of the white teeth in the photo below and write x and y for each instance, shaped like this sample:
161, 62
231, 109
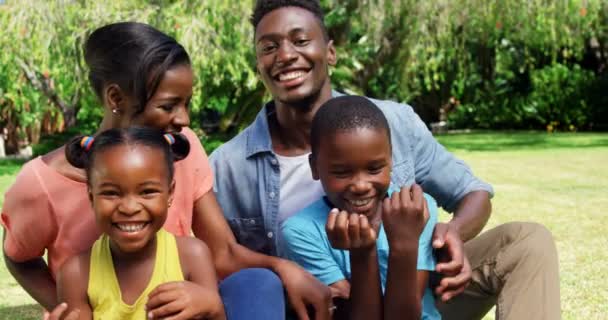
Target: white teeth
360, 203
130, 227
291, 75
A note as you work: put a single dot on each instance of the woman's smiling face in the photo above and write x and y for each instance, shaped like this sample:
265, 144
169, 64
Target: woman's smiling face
168, 108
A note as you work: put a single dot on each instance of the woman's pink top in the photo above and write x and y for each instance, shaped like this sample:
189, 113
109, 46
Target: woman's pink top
44, 210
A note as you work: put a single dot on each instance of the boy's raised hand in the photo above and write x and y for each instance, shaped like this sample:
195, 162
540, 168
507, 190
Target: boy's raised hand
404, 215
182, 300
350, 231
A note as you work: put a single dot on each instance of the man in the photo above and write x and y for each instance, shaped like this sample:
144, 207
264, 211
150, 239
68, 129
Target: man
263, 177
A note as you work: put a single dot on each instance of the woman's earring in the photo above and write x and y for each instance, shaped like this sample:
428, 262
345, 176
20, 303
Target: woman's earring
115, 111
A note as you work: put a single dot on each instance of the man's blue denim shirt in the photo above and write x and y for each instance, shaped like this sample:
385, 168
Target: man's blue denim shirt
247, 177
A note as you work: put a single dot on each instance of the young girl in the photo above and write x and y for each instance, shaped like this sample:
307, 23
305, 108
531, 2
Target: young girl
142, 77
136, 268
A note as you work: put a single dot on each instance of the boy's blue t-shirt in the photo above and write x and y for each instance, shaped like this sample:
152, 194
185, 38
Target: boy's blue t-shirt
304, 241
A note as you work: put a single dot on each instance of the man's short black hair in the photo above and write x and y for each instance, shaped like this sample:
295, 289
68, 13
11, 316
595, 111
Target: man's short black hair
263, 7
346, 113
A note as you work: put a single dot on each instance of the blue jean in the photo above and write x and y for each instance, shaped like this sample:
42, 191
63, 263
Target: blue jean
253, 294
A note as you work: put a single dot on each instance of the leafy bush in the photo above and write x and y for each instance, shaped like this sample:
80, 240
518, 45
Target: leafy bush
497, 64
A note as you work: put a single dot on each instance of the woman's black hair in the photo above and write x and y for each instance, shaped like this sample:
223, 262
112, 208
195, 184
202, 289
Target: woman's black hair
135, 56
81, 150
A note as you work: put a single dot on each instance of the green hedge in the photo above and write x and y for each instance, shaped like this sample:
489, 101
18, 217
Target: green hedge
504, 64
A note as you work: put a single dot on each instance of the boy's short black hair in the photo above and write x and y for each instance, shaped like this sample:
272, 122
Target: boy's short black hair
346, 113
263, 7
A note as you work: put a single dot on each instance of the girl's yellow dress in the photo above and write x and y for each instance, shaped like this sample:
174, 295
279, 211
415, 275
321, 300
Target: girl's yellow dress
103, 289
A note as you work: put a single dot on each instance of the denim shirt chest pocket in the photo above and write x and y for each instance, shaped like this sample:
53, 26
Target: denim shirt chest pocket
250, 232
402, 173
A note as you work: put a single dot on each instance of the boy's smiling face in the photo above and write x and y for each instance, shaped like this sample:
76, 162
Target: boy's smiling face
129, 189
354, 167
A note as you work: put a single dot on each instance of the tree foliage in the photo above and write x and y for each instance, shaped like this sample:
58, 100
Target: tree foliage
489, 64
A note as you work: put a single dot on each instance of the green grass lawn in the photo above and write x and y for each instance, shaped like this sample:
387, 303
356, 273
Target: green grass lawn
559, 180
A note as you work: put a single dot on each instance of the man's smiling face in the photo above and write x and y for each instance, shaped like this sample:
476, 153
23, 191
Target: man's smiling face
293, 54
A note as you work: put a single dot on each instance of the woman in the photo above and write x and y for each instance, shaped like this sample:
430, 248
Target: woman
143, 78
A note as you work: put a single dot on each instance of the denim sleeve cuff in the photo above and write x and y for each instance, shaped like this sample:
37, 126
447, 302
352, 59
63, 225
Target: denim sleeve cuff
476, 185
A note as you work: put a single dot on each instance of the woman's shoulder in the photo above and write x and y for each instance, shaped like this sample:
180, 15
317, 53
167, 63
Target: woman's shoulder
28, 182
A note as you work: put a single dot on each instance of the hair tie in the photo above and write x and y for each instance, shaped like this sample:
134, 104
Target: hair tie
170, 139
87, 142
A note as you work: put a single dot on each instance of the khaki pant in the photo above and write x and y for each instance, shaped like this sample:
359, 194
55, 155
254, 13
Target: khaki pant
514, 267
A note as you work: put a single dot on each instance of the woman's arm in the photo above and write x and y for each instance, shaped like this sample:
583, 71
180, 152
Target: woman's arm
72, 283
209, 225
35, 278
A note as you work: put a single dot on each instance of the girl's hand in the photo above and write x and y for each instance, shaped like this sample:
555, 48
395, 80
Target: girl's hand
184, 300
349, 231
57, 313
404, 215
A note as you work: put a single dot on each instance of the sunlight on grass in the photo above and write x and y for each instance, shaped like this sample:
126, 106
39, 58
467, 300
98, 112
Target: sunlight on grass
558, 180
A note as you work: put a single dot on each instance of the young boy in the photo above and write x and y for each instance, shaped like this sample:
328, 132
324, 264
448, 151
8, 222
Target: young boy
364, 237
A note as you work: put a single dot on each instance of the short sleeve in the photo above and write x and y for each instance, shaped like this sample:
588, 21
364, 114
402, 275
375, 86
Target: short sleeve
27, 216
197, 164
303, 244
426, 259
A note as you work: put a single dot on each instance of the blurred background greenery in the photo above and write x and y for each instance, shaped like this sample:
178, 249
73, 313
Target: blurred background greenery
516, 64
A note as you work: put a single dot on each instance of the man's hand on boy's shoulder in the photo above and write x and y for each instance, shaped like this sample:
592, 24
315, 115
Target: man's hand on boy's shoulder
452, 264
350, 231
404, 215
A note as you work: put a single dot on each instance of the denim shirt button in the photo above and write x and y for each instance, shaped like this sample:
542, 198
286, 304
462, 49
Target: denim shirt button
270, 235
271, 194
252, 221
274, 162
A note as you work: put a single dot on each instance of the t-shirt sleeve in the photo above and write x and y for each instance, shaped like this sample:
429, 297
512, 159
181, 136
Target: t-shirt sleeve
27, 217
305, 245
198, 164
426, 259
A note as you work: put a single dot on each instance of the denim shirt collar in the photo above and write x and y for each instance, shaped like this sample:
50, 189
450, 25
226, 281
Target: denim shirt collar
259, 140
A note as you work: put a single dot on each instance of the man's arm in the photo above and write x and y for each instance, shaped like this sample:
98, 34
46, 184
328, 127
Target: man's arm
472, 214
452, 183
209, 225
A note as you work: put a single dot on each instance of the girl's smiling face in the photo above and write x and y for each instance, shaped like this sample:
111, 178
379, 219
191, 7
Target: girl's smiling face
130, 191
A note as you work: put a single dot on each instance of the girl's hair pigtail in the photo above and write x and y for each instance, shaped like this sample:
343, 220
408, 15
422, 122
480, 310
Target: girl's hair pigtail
180, 147
77, 151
